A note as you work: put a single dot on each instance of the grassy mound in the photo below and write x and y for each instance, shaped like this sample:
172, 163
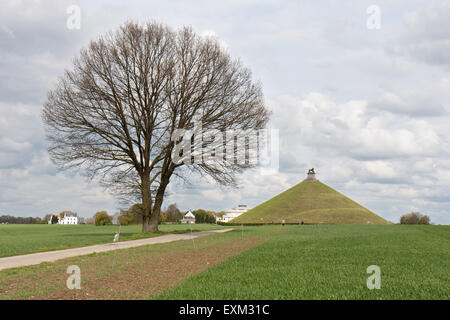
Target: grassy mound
310, 202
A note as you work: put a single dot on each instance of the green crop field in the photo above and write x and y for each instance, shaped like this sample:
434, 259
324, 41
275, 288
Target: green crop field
16, 239
330, 262
255, 262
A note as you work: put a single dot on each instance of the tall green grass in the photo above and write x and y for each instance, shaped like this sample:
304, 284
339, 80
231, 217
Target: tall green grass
330, 262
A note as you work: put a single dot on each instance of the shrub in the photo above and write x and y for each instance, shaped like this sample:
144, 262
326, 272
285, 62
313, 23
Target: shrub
414, 218
424, 220
133, 215
19, 220
63, 213
126, 217
54, 219
202, 216
173, 214
102, 218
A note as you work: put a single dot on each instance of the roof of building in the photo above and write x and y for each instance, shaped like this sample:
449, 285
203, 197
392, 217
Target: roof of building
70, 214
189, 214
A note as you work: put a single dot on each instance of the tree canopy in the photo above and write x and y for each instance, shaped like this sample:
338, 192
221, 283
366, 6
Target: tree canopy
115, 113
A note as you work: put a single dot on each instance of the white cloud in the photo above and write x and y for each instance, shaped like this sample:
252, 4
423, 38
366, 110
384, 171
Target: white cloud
213, 195
411, 103
7, 31
351, 129
380, 169
428, 37
38, 189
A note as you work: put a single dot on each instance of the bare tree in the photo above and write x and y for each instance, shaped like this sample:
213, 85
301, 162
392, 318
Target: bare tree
173, 213
115, 113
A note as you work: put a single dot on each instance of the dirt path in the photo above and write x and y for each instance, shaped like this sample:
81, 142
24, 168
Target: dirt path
141, 272
49, 256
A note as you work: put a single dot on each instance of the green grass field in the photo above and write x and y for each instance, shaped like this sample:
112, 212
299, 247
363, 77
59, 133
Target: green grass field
258, 262
16, 239
330, 262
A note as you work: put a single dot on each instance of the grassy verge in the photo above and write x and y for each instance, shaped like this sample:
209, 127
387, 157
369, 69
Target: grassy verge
330, 262
23, 239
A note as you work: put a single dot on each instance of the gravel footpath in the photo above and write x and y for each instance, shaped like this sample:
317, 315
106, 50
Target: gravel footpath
48, 256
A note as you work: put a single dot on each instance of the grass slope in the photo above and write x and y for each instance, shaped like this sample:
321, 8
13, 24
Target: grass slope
330, 262
313, 202
16, 239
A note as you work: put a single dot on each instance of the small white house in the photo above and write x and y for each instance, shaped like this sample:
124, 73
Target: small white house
69, 218
188, 217
230, 214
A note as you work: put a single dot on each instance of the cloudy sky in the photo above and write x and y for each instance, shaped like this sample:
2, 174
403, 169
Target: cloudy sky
367, 107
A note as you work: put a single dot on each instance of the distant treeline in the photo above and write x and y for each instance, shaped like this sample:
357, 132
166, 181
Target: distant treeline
20, 220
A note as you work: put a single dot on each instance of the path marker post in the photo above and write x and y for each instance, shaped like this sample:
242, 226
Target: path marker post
116, 241
190, 226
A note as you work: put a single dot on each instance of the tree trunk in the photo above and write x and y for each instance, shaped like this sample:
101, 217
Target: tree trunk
149, 216
150, 223
153, 218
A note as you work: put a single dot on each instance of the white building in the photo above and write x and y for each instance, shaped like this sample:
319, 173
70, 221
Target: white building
230, 214
189, 217
69, 218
